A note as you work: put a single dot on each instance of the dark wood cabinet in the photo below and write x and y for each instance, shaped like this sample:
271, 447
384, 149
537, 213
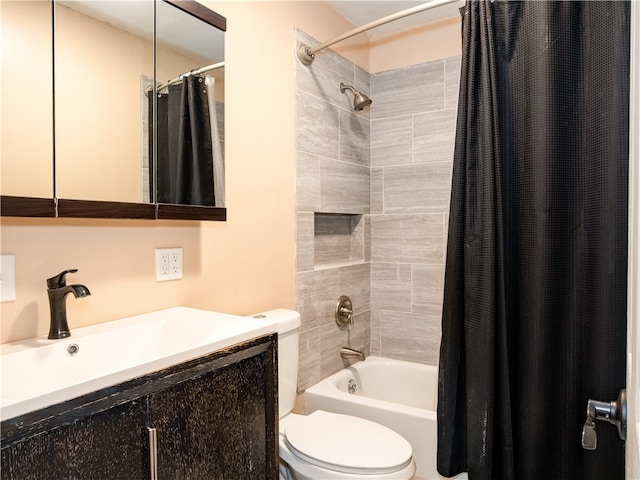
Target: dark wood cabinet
110, 444
214, 417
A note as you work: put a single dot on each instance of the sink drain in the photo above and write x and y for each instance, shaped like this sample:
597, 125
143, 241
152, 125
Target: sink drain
73, 349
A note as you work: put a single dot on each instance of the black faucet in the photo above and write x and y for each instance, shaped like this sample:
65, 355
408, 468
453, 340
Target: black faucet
57, 289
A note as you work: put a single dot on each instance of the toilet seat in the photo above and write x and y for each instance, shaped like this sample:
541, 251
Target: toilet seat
347, 444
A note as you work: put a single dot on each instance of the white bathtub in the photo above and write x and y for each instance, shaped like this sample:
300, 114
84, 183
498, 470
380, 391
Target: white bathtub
38, 372
400, 395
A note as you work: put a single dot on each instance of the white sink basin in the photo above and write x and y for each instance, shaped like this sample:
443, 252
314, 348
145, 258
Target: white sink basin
38, 372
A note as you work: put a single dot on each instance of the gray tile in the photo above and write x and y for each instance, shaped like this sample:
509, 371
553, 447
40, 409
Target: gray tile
418, 188
363, 85
316, 125
433, 136
354, 138
309, 362
414, 238
451, 80
392, 141
337, 239
316, 296
332, 235
344, 187
408, 90
358, 232
391, 286
333, 339
375, 333
354, 283
304, 241
410, 337
322, 78
359, 335
408, 243
307, 184
367, 238
377, 190
363, 82
427, 287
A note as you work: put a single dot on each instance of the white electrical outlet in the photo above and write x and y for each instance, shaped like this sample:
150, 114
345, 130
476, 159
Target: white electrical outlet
168, 264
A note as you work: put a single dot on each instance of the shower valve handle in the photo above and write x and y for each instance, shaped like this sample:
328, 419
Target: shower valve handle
344, 311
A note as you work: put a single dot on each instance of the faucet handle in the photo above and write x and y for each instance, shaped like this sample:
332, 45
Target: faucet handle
59, 281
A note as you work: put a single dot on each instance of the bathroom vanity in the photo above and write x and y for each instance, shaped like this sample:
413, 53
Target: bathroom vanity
211, 417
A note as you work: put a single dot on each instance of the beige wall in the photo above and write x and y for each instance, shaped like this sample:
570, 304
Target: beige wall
434, 41
240, 266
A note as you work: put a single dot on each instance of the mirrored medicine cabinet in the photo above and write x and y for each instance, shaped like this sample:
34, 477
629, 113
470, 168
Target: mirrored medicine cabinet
124, 120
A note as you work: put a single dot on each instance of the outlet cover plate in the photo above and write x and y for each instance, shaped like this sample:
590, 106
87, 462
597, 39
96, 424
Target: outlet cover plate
168, 264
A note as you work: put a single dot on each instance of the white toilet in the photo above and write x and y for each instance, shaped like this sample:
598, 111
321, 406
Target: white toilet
324, 445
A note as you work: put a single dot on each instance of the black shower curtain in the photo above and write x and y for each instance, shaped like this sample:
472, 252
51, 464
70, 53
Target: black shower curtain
534, 318
184, 168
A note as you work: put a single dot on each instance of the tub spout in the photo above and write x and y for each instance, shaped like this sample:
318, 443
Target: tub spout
347, 353
57, 290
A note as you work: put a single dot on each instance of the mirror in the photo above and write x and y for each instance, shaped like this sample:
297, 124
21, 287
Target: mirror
102, 50
107, 131
27, 99
189, 123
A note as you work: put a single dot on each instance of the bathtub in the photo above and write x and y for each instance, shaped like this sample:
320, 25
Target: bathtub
400, 395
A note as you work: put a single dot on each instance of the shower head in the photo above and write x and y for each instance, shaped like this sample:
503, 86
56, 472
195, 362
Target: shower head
360, 100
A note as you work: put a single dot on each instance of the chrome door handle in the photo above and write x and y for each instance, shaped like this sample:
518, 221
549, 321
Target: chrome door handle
614, 412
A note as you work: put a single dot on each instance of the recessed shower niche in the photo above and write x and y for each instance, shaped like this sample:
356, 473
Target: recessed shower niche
338, 239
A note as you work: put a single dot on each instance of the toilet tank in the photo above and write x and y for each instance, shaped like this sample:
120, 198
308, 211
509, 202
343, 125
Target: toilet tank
288, 322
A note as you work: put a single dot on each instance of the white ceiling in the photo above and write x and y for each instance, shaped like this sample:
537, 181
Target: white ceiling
361, 12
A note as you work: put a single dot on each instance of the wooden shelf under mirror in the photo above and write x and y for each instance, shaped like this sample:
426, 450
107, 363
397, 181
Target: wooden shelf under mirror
46, 208
190, 212
27, 207
96, 209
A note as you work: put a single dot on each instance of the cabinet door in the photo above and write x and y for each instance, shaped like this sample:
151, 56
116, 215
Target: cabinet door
216, 426
109, 445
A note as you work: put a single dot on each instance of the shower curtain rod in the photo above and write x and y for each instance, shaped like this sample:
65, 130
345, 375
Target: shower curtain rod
198, 71
306, 54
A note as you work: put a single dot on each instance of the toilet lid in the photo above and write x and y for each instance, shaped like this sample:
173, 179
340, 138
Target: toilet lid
347, 444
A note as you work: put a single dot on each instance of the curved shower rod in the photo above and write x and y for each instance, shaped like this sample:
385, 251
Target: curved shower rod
197, 71
306, 54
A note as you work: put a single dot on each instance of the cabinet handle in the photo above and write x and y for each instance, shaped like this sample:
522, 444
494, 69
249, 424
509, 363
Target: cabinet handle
153, 454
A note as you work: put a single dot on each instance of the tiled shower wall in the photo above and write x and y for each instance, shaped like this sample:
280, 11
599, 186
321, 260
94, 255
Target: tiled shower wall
372, 195
332, 202
412, 138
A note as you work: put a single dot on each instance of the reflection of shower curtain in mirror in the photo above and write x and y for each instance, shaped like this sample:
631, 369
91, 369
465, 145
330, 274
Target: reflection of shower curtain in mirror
185, 148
